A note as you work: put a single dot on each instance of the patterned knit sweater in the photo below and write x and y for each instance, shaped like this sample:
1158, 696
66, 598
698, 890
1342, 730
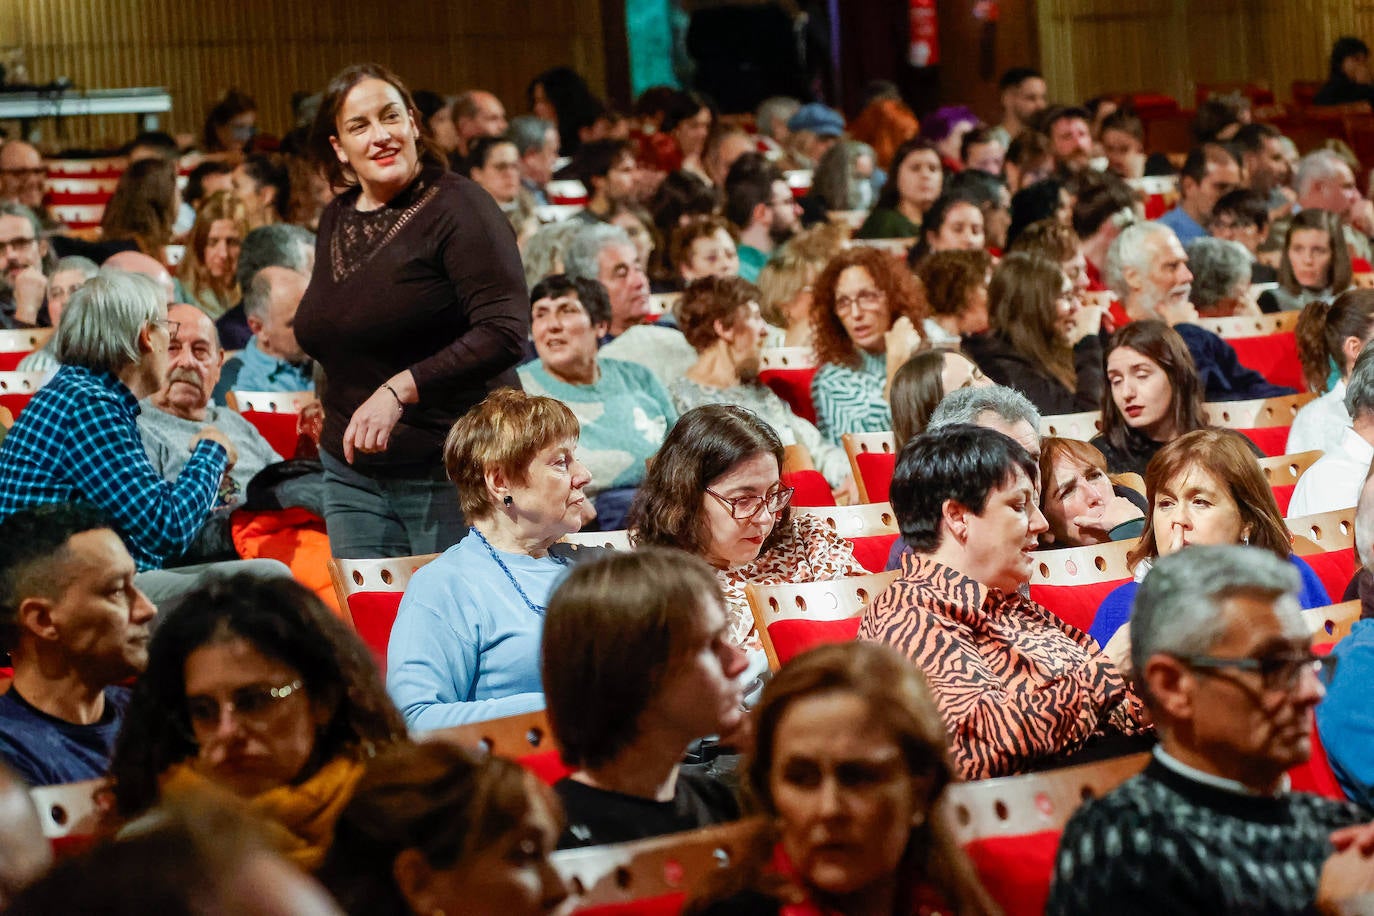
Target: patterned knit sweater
1165, 843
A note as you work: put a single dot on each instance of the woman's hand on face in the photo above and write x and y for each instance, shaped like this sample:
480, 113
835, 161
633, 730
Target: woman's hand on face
1117, 512
1087, 320
902, 340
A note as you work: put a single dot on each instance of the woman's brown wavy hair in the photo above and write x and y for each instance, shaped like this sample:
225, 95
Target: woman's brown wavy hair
832, 343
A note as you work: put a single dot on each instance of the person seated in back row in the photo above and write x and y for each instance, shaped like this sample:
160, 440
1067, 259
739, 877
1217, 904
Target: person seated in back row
271, 360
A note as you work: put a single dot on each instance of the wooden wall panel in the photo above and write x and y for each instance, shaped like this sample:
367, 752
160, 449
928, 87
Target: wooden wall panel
271, 48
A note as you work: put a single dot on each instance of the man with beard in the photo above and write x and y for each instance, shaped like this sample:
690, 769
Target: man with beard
1148, 270
759, 203
1024, 96
23, 176
22, 283
175, 416
76, 626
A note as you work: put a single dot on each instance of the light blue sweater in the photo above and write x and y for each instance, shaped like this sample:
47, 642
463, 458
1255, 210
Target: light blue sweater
465, 646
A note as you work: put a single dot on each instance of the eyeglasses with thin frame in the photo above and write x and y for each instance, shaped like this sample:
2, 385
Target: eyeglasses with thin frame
1277, 672
252, 705
746, 507
19, 244
171, 326
865, 299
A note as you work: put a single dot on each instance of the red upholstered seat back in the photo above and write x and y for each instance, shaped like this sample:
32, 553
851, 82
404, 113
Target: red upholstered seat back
1335, 568
374, 613
1016, 870
279, 429
10, 360
1272, 440
793, 637
876, 468
664, 905
1316, 775
871, 550
794, 387
811, 488
1076, 605
1283, 495
16, 402
1274, 356
547, 766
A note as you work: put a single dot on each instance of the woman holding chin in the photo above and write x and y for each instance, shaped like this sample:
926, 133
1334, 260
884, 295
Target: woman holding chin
417, 309
1205, 487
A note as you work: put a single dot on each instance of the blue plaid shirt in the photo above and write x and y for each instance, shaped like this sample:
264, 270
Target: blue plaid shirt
78, 440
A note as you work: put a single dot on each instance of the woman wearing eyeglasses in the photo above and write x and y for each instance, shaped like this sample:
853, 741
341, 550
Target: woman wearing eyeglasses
715, 489
254, 690
856, 300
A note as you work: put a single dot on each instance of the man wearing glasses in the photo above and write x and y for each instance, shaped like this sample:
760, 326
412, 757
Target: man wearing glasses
22, 174
1225, 664
22, 282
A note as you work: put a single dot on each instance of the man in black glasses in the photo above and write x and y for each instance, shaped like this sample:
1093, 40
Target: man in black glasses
76, 626
1224, 660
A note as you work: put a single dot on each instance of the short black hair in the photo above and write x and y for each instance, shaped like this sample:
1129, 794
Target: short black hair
748, 184
1097, 197
1250, 138
972, 138
1128, 122
595, 159
1195, 166
591, 293
268, 170
961, 462
1056, 113
1016, 76
163, 142
195, 182
480, 151
1245, 205
29, 539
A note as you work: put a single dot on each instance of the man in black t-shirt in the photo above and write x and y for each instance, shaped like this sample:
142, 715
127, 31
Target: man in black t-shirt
75, 625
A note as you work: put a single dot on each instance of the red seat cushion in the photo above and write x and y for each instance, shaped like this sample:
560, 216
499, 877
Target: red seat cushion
1274, 356
876, 469
1016, 870
1334, 568
872, 550
793, 637
547, 766
1156, 206
374, 613
1283, 495
279, 429
811, 488
1076, 605
1272, 440
15, 402
794, 387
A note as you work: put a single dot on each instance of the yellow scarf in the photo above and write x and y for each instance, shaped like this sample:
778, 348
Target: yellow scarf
299, 818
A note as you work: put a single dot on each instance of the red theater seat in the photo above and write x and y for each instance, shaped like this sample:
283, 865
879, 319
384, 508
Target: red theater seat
370, 594
525, 738
1071, 582
792, 618
788, 371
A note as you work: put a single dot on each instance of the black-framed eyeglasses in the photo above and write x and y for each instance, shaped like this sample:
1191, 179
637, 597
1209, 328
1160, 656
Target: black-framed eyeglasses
19, 244
746, 507
252, 704
1277, 672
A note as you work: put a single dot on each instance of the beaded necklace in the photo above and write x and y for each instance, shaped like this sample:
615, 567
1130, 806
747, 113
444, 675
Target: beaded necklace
538, 609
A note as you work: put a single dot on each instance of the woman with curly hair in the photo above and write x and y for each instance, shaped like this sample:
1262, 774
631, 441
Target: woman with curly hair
956, 288
856, 300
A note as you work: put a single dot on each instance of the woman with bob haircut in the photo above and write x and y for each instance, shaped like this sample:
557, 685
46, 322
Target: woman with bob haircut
465, 645
1019, 689
839, 844
255, 689
956, 290
637, 665
1315, 263
915, 180
1330, 337
1153, 395
715, 490
1205, 487
721, 319
209, 271
855, 302
417, 310
143, 207
1078, 499
1036, 343
433, 828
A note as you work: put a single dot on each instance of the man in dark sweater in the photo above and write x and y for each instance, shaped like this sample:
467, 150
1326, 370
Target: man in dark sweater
1224, 658
75, 625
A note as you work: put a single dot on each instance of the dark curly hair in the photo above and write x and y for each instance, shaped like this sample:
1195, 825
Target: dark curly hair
831, 341
284, 621
708, 300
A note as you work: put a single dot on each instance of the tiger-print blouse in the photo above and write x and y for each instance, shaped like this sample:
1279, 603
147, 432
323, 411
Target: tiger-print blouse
1016, 685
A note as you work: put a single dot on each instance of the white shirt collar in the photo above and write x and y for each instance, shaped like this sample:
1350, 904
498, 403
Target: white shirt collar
1208, 779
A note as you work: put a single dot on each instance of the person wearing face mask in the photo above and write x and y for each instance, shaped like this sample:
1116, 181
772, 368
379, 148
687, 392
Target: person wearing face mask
715, 490
1148, 270
843, 182
914, 182
256, 693
721, 319
1315, 264
638, 664
1042, 341
433, 828
623, 410
1019, 690
1205, 487
836, 844
954, 222
435, 248
1077, 497
231, 125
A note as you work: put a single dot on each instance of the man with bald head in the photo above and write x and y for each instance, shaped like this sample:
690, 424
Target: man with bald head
477, 113
272, 360
139, 263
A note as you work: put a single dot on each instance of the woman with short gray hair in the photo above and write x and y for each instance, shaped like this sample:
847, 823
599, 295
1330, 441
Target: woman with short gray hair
1221, 278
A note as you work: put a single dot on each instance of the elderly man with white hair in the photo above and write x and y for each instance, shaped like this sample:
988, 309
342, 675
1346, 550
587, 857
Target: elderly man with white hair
1334, 481
1148, 270
78, 439
1224, 660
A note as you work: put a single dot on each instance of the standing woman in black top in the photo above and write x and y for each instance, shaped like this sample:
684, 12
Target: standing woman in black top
416, 310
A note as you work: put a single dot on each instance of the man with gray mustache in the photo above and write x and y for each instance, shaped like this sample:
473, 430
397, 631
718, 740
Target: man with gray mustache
1147, 269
